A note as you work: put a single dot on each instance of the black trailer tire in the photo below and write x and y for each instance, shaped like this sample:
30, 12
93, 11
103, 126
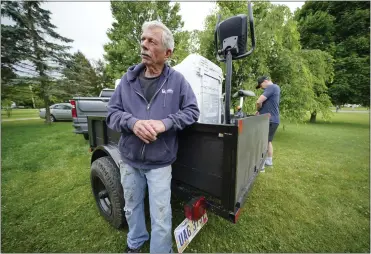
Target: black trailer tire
107, 191
86, 136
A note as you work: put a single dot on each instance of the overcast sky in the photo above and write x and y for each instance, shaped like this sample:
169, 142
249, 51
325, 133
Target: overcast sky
87, 22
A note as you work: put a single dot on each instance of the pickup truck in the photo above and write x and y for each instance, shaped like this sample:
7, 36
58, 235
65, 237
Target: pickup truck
82, 107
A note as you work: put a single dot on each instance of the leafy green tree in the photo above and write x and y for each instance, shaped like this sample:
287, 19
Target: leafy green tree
12, 45
321, 68
100, 68
82, 80
278, 54
123, 50
13, 52
182, 49
343, 30
45, 58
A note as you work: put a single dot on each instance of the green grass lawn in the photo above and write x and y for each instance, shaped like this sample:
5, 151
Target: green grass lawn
315, 199
20, 113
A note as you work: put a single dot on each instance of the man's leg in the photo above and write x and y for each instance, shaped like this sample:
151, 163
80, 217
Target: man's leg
159, 189
270, 149
134, 185
269, 159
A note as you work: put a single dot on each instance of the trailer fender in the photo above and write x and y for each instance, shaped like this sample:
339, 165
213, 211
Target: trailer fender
107, 150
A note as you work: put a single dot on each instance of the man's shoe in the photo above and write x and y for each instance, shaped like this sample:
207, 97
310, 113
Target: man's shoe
262, 170
128, 250
268, 163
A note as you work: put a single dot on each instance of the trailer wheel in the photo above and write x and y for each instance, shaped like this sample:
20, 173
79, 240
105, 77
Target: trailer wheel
107, 191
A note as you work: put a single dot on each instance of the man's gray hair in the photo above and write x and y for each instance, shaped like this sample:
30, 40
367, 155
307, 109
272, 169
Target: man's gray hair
167, 36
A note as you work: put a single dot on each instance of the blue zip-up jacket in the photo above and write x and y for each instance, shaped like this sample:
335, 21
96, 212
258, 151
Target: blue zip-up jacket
174, 103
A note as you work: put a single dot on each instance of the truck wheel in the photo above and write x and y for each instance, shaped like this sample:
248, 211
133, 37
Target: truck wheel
86, 136
107, 191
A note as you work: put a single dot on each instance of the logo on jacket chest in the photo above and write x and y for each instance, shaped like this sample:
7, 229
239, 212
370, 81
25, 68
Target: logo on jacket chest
167, 91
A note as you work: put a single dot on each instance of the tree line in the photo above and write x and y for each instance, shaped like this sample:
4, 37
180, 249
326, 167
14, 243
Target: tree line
319, 55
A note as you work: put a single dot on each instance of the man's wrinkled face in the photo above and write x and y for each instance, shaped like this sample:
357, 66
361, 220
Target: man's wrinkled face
153, 51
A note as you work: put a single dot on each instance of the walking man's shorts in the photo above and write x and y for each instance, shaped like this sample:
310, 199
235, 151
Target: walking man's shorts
272, 130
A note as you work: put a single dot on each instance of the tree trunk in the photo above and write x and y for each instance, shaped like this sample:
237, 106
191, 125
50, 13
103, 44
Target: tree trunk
47, 109
313, 117
45, 97
8, 111
47, 113
33, 99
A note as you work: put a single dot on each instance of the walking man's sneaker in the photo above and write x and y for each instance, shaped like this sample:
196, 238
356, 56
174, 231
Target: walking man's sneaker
269, 162
262, 169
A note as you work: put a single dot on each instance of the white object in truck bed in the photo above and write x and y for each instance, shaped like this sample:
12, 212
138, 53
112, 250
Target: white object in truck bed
205, 78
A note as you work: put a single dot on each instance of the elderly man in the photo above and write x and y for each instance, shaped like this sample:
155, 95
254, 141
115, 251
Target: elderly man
149, 106
269, 102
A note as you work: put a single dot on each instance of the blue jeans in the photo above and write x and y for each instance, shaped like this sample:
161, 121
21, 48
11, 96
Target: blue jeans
134, 182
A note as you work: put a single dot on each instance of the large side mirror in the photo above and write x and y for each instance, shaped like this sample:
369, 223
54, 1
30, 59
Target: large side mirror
231, 35
230, 44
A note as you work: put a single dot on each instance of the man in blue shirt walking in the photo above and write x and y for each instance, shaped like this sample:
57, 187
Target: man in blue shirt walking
268, 103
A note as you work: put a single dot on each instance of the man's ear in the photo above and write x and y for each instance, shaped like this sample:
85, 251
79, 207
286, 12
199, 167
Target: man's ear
168, 54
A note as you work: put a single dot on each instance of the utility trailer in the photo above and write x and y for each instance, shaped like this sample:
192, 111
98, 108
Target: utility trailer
217, 161
215, 169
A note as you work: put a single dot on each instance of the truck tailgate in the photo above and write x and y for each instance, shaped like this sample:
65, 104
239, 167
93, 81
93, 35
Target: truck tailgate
91, 106
88, 106
252, 148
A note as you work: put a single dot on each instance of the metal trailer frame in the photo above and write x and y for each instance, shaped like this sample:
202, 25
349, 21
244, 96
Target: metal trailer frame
219, 162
